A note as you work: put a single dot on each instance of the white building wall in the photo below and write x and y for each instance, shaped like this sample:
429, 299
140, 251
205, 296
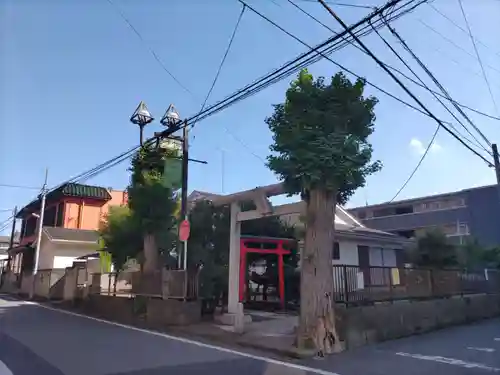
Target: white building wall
348, 253
61, 256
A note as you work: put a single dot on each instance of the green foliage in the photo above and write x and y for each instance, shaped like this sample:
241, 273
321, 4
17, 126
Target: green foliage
433, 251
153, 204
208, 243
491, 257
120, 235
321, 136
474, 255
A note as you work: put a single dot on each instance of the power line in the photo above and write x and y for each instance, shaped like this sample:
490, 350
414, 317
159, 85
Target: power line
19, 187
421, 84
478, 57
461, 28
431, 142
425, 109
151, 50
219, 69
398, 81
454, 44
304, 59
399, 71
436, 82
345, 4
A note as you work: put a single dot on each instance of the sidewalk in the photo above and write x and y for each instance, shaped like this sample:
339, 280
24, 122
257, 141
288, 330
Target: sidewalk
269, 332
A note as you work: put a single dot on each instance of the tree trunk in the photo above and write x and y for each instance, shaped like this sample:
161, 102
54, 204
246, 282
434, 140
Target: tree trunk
150, 253
317, 316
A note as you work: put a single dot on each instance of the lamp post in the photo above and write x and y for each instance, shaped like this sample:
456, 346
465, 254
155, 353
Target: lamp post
141, 117
170, 119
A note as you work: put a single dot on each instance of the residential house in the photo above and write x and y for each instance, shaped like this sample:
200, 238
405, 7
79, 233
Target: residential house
73, 213
470, 213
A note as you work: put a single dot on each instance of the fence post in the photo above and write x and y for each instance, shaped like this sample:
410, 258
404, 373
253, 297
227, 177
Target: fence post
390, 285
346, 289
431, 280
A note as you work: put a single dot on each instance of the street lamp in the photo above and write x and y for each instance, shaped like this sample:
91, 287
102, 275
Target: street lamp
141, 117
171, 117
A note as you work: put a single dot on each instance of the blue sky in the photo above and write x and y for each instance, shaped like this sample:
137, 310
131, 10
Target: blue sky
72, 72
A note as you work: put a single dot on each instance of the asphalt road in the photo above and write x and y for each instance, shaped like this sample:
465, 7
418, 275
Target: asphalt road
42, 341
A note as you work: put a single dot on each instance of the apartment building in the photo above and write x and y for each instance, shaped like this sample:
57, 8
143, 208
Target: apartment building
460, 215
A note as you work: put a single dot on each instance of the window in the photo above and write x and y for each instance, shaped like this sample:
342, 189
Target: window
361, 214
336, 251
403, 210
60, 215
49, 218
383, 212
30, 226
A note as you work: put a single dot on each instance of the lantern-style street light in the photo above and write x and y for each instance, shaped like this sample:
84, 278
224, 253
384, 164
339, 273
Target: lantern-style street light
171, 117
141, 117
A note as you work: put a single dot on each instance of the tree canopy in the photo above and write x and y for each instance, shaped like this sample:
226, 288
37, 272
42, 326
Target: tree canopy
321, 135
433, 250
121, 236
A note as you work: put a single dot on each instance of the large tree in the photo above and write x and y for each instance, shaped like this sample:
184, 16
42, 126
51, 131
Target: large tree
321, 150
153, 204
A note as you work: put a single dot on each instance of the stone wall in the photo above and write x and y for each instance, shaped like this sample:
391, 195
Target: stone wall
152, 312
367, 324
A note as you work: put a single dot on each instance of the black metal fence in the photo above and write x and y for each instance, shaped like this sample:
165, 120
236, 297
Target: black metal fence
354, 285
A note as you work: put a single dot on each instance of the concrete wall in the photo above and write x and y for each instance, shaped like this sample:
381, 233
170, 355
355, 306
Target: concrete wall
367, 324
153, 312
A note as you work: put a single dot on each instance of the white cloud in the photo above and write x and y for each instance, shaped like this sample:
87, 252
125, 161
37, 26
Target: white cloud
418, 147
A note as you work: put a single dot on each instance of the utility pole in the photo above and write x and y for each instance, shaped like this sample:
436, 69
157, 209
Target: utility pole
496, 163
43, 196
184, 191
12, 233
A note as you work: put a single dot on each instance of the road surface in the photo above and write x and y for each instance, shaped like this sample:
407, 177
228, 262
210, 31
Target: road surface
43, 341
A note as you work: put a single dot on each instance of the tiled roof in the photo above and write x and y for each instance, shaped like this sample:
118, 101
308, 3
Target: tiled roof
72, 235
69, 190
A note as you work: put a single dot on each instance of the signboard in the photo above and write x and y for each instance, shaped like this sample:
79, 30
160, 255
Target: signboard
184, 229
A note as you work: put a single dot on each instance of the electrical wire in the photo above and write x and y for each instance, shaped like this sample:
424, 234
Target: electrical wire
461, 28
396, 69
421, 84
345, 4
424, 110
219, 69
4, 224
303, 60
396, 79
436, 82
19, 187
151, 50
431, 142
454, 44
478, 57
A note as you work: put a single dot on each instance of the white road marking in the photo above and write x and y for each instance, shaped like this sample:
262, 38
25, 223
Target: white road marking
450, 361
488, 350
193, 342
497, 339
4, 370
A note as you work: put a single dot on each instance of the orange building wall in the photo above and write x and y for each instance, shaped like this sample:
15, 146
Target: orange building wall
88, 214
